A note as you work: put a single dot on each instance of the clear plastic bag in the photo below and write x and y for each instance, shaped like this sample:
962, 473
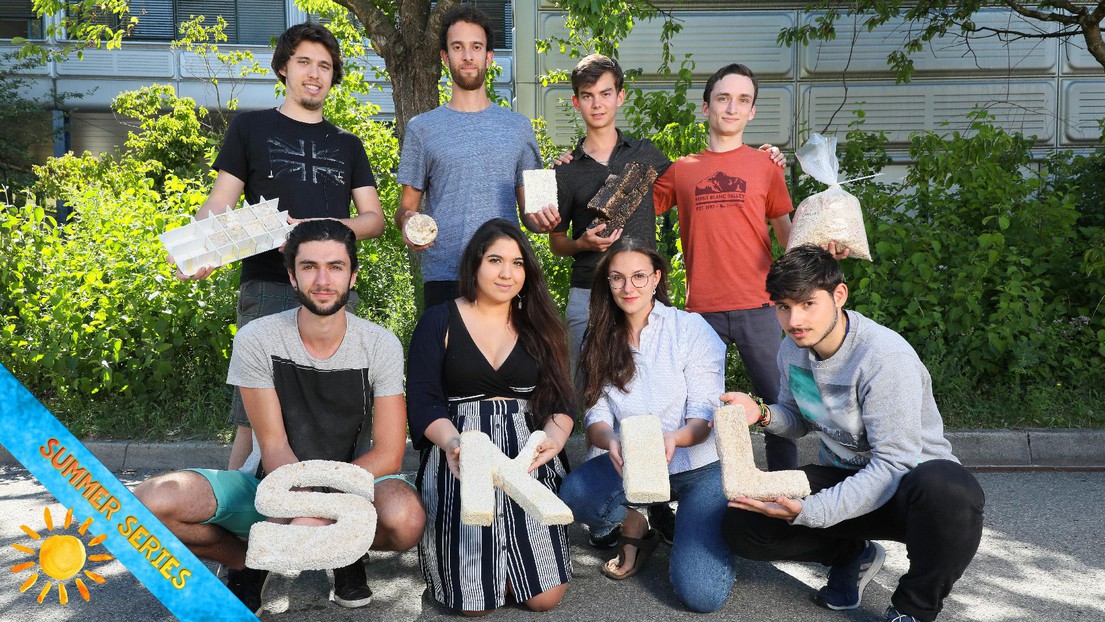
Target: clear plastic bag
830, 216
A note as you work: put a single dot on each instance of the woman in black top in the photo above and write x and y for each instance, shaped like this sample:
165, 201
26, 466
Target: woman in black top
493, 360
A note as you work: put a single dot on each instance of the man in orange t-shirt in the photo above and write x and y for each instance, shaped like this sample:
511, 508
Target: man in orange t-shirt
727, 195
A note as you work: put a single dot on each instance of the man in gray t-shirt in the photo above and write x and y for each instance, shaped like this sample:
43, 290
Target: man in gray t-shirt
465, 157
314, 380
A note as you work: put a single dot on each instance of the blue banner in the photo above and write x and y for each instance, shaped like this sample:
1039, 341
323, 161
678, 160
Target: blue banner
79, 481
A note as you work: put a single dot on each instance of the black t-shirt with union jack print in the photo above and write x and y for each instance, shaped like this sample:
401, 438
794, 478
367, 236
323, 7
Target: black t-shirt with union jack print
311, 167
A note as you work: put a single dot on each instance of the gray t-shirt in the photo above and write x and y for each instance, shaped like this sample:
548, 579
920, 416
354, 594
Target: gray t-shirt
469, 165
326, 403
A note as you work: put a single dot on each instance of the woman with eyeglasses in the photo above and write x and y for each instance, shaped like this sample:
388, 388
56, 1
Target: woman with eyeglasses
644, 357
493, 360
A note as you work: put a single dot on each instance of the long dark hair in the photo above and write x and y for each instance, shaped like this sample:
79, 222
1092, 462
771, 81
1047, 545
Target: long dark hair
533, 315
606, 358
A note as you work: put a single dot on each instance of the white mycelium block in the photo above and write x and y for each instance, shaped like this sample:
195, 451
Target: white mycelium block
290, 549
739, 475
421, 229
540, 189
831, 216
483, 467
645, 468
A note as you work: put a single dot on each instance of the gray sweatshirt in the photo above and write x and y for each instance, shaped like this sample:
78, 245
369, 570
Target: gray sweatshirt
871, 404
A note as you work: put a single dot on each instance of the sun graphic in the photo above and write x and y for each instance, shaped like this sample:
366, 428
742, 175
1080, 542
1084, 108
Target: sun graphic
60, 557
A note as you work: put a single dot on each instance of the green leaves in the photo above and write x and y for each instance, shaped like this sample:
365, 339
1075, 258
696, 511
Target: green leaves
981, 261
922, 22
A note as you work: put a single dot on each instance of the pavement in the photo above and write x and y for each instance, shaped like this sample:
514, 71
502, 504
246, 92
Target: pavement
1042, 555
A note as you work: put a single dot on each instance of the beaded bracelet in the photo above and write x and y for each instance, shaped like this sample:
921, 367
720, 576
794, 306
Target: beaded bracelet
765, 412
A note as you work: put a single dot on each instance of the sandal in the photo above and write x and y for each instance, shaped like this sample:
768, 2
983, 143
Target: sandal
645, 546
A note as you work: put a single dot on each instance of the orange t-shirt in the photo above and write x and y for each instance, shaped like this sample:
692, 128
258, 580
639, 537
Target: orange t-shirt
725, 200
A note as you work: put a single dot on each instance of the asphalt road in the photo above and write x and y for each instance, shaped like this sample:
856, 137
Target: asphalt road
1042, 558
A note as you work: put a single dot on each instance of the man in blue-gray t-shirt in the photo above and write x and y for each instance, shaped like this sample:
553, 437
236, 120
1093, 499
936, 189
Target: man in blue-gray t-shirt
466, 157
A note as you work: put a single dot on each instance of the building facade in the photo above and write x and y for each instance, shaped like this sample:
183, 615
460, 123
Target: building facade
1050, 88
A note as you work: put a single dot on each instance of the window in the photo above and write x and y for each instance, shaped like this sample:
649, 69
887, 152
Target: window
501, 15
18, 19
251, 22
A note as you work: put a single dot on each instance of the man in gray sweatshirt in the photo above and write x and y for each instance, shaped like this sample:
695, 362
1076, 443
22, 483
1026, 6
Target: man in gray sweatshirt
886, 471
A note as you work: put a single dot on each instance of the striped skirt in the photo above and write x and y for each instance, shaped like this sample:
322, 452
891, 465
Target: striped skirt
467, 567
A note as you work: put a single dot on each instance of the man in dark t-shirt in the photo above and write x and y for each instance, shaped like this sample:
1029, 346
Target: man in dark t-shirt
597, 95
293, 154
314, 381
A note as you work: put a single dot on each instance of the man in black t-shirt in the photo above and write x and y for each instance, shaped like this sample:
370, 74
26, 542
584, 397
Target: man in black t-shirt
293, 154
597, 95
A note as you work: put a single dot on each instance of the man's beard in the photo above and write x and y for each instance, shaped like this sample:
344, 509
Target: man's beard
836, 319
466, 83
311, 104
305, 300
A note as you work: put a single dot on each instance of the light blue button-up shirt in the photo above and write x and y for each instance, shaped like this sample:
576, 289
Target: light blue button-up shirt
680, 375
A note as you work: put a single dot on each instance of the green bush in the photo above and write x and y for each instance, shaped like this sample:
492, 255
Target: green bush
90, 310
990, 267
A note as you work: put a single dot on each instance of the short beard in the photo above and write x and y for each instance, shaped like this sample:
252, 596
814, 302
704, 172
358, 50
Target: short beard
309, 104
464, 83
310, 305
832, 327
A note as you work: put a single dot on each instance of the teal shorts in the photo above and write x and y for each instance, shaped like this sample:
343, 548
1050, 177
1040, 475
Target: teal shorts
234, 494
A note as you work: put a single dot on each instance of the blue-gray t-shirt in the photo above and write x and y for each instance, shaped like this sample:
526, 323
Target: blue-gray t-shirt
469, 165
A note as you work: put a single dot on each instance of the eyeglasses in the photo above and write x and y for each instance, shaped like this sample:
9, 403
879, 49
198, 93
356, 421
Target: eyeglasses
617, 281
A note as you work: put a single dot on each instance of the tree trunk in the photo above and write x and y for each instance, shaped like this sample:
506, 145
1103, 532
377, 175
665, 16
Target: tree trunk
1092, 32
405, 34
414, 79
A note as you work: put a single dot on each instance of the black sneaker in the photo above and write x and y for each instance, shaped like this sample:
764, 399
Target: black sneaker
662, 518
351, 586
844, 589
248, 584
608, 541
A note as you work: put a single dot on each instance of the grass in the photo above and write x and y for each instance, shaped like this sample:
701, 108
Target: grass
200, 414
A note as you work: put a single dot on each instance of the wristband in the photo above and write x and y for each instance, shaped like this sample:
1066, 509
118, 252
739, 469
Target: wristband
765, 412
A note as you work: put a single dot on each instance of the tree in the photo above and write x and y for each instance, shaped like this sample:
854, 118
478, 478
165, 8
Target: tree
405, 34
930, 19
25, 124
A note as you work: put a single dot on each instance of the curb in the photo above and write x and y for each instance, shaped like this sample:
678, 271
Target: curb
1033, 449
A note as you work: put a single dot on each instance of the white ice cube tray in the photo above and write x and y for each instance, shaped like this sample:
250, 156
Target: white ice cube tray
224, 238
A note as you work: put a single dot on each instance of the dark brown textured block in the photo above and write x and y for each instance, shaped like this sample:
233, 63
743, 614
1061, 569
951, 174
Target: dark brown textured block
620, 195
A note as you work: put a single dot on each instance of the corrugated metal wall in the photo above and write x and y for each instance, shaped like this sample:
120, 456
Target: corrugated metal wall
1049, 88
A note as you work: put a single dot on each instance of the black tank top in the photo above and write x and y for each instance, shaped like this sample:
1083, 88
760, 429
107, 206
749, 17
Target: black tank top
468, 374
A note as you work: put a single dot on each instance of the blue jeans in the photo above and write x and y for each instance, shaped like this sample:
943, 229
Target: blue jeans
701, 569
